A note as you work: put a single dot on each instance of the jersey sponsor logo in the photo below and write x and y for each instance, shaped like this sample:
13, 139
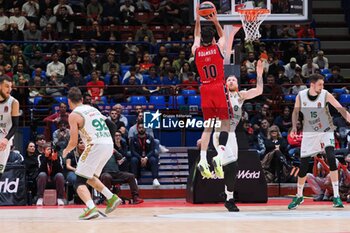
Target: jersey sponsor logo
319, 105
9, 187
6, 109
304, 104
247, 174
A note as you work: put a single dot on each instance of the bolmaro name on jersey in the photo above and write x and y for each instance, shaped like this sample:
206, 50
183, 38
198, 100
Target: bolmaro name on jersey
206, 53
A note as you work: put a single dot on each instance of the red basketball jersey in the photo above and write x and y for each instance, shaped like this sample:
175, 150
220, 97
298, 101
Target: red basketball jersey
210, 64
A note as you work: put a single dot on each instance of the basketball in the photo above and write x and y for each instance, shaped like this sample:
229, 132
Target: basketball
206, 9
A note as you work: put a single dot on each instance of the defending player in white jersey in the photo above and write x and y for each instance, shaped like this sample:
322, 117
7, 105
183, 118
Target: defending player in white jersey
318, 133
94, 129
9, 118
229, 160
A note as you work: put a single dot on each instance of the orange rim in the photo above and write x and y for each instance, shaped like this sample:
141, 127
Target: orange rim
252, 14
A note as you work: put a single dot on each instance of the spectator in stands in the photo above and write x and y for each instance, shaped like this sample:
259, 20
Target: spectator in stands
143, 32
74, 51
191, 83
32, 33
50, 171
95, 87
143, 154
39, 143
18, 19
92, 62
65, 22
134, 71
294, 142
275, 66
178, 63
111, 171
162, 53
321, 60
297, 80
74, 80
110, 12
319, 180
4, 23
284, 121
94, 33
342, 130
152, 82
307, 32
115, 91
21, 92
275, 157
112, 33
31, 10
272, 92
111, 62
170, 82
184, 71
55, 66
61, 115
61, 136
49, 33
250, 63
19, 71
48, 18
31, 164
14, 33
36, 60
175, 34
144, 5
133, 129
127, 12
119, 116
146, 63
169, 13
54, 87
122, 150
336, 77
290, 68
37, 88
94, 11
309, 68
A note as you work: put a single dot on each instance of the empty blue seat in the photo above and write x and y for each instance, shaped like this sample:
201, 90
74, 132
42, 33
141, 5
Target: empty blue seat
252, 76
37, 99
188, 92
339, 91
324, 71
138, 100
290, 98
344, 99
327, 76
176, 101
62, 99
158, 101
194, 100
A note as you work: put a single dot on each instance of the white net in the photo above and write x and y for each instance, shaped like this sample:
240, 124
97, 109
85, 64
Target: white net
251, 21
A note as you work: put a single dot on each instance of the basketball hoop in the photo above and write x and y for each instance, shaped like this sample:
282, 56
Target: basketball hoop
251, 21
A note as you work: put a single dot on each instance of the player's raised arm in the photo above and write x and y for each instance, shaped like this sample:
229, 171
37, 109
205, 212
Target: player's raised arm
197, 32
74, 133
295, 115
330, 99
220, 31
258, 90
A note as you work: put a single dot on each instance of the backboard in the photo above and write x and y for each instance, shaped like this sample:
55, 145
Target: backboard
282, 11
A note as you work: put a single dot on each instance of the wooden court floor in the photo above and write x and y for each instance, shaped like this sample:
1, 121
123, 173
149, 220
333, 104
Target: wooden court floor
179, 217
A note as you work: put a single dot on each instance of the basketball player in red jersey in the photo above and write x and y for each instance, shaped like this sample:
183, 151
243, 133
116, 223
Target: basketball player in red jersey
210, 65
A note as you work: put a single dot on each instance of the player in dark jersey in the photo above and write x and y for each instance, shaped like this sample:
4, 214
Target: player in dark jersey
210, 65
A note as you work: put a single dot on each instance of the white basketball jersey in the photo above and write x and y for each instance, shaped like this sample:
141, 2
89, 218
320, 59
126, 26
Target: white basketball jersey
95, 130
6, 117
236, 104
316, 114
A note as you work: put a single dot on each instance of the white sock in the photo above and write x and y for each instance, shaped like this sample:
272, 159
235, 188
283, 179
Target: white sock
229, 195
203, 155
222, 150
90, 204
300, 190
107, 193
335, 186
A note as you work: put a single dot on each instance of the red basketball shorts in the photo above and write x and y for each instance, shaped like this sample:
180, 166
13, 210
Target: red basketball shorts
214, 101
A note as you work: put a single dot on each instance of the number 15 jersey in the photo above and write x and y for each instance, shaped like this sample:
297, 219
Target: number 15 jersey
210, 64
316, 114
94, 130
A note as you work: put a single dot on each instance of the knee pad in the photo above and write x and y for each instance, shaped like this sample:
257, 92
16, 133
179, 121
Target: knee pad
223, 137
79, 181
304, 167
331, 158
230, 173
